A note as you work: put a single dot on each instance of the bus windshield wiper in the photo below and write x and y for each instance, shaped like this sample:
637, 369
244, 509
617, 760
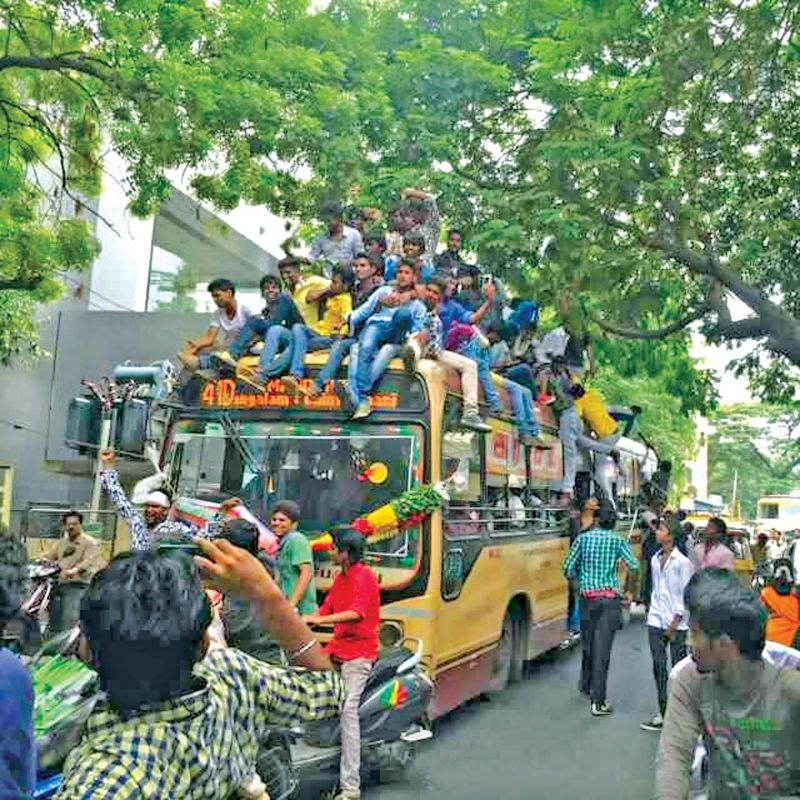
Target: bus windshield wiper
241, 446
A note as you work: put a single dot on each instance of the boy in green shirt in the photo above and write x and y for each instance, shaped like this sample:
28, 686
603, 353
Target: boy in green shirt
295, 560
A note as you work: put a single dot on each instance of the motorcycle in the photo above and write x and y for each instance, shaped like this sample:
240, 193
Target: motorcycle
23, 633
67, 691
393, 722
762, 575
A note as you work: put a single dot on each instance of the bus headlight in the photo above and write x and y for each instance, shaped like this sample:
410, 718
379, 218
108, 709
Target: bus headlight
390, 634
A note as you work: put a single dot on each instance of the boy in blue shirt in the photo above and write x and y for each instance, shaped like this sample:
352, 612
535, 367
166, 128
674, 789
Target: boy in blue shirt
387, 317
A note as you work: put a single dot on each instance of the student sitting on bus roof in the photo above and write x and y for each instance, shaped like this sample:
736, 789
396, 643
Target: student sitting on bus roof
226, 322
279, 309
331, 327
278, 341
367, 279
468, 293
386, 318
521, 396
427, 343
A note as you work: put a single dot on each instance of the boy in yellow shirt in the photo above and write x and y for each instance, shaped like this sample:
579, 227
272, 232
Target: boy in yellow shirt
320, 333
592, 410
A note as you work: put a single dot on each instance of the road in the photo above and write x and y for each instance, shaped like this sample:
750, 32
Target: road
538, 739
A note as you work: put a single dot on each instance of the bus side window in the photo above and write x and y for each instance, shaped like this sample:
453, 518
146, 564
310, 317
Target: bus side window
461, 466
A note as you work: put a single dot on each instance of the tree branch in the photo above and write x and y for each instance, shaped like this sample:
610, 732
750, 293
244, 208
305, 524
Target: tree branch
640, 333
20, 284
40, 123
57, 64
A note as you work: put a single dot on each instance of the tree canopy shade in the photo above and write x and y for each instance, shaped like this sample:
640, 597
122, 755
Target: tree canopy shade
663, 160
263, 101
640, 157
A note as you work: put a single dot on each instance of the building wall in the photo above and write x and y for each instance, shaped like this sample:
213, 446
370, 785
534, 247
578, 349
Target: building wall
82, 344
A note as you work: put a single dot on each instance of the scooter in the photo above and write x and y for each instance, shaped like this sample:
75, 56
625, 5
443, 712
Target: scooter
393, 722
66, 692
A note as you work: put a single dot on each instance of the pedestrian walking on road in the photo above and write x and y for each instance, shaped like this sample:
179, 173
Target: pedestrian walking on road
594, 561
667, 624
712, 552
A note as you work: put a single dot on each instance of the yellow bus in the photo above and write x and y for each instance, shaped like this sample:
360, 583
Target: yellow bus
479, 581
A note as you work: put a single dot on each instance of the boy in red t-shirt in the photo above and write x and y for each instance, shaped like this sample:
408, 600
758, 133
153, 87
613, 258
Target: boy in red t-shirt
353, 606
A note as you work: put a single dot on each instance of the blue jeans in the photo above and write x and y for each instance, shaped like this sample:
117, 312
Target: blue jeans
481, 357
522, 400
304, 340
269, 366
255, 327
381, 361
374, 335
339, 349
574, 624
521, 374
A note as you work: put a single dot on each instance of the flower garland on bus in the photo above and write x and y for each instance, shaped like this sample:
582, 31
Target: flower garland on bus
403, 512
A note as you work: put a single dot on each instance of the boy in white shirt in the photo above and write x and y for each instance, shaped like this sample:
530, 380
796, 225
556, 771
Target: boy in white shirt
226, 322
667, 620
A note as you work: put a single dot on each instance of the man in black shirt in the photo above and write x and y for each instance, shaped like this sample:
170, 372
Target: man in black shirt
450, 262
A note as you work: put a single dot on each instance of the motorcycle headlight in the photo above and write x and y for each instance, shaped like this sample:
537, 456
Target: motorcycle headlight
390, 634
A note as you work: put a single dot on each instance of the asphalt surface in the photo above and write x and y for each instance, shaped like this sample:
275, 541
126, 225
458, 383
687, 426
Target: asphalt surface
538, 739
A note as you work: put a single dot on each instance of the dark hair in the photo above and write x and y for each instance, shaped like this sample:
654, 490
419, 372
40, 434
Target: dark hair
454, 230
269, 279
722, 606
145, 615
350, 542
409, 262
375, 236
414, 238
287, 507
494, 327
241, 533
577, 390
221, 285
346, 274
13, 575
719, 524
72, 513
361, 254
687, 528
607, 516
438, 281
292, 262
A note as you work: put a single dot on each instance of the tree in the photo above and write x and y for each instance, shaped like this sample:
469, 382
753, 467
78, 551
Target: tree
758, 447
263, 101
655, 143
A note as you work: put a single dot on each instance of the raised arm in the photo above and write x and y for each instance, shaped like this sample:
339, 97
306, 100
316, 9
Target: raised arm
109, 480
489, 294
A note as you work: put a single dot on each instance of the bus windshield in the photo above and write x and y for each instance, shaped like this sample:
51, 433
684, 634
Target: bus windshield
335, 473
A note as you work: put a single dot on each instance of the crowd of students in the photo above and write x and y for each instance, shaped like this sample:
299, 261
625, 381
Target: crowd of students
161, 644
370, 296
731, 690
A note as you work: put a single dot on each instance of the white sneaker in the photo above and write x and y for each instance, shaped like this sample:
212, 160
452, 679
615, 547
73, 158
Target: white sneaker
655, 724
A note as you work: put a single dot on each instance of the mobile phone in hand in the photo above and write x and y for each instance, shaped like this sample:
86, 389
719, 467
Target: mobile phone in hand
190, 548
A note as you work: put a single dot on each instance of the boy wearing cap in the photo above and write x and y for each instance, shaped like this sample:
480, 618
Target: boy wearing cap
154, 523
295, 560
